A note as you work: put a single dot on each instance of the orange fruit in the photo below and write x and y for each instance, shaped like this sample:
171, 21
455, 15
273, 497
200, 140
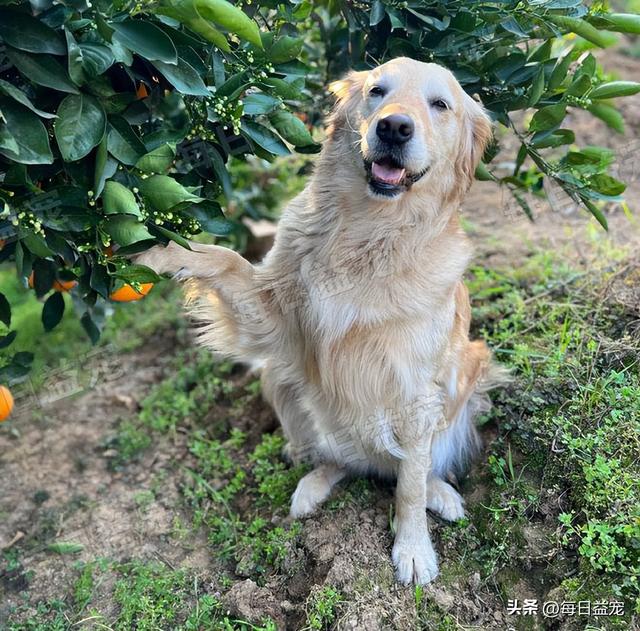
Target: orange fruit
141, 92
6, 403
64, 285
127, 293
58, 285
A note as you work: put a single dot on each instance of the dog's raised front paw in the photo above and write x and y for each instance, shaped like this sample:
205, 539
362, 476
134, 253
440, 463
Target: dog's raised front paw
444, 500
415, 560
160, 259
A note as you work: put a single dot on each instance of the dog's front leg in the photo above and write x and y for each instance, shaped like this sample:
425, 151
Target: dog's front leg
413, 554
206, 262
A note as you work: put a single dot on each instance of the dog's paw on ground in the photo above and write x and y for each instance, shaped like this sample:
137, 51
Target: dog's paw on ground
415, 560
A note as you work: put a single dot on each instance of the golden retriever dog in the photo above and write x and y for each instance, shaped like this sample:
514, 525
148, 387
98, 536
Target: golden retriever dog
358, 317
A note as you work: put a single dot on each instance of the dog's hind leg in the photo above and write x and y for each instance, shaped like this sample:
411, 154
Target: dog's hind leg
443, 499
295, 420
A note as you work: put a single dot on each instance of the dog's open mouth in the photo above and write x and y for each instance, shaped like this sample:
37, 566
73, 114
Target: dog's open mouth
389, 178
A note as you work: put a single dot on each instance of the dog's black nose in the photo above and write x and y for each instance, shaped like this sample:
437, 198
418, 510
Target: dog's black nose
395, 129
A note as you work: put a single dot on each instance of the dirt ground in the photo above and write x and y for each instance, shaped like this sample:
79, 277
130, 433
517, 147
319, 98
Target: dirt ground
61, 480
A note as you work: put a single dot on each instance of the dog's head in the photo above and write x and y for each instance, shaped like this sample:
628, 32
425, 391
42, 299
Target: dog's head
410, 123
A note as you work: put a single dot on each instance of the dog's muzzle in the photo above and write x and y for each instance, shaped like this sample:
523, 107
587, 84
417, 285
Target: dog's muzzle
386, 176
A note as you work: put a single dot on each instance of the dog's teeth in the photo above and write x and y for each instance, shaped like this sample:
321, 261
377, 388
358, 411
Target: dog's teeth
390, 175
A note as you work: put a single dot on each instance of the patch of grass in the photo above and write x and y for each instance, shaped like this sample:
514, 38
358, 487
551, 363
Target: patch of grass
276, 482
358, 491
196, 383
322, 608
130, 440
148, 597
567, 441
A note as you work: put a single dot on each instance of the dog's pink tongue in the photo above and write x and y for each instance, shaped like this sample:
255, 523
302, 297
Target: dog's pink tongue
390, 175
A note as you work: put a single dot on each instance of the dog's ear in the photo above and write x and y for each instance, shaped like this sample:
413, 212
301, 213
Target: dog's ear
348, 86
348, 93
476, 135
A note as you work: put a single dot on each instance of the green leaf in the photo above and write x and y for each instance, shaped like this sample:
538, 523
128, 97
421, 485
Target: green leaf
559, 72
260, 103
613, 89
90, 327
7, 340
145, 39
596, 212
52, 311
138, 274
233, 86
173, 236
619, 22
579, 86
582, 28
609, 115
291, 128
74, 60
163, 192
283, 88
537, 88
548, 117
284, 49
210, 217
559, 137
377, 13
23, 358
80, 126
100, 280
230, 18
122, 142
23, 136
5, 310
21, 97
607, 185
183, 77
126, 230
43, 70
96, 59
265, 138
65, 547
185, 12
220, 169
106, 166
158, 160
119, 200
28, 33
37, 245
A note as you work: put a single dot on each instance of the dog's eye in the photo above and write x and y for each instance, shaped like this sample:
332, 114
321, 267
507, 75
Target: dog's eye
376, 90
440, 104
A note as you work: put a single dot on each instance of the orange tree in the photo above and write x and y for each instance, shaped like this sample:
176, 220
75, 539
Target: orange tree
118, 118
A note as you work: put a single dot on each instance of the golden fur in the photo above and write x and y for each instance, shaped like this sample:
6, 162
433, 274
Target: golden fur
358, 316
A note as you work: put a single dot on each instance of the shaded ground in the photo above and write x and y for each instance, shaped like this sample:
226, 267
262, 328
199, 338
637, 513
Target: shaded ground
158, 498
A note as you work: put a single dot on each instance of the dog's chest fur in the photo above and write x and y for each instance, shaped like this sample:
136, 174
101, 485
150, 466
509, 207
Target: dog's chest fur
378, 311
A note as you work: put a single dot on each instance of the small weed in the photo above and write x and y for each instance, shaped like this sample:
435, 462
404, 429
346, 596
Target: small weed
276, 481
144, 499
322, 607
